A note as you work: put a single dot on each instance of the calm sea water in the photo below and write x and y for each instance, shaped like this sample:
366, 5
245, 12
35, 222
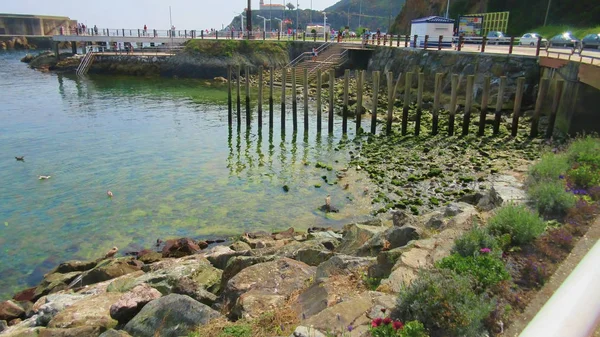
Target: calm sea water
163, 147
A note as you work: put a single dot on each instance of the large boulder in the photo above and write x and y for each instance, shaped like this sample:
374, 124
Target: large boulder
218, 256
48, 306
170, 316
114, 333
132, 302
88, 331
186, 286
355, 236
304, 331
10, 310
93, 311
342, 265
108, 270
75, 265
54, 282
313, 256
239, 263
264, 286
180, 247
391, 238
505, 189
337, 318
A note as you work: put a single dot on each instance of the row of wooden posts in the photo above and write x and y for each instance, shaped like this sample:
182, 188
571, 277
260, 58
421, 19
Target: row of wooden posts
392, 91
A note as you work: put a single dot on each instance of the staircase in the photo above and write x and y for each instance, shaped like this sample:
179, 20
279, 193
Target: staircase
86, 63
329, 55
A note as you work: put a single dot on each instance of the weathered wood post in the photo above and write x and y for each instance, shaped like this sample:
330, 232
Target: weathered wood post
453, 94
436, 103
499, 102
229, 105
419, 103
517, 107
555, 103
319, 107
345, 106
305, 94
375, 102
391, 100
239, 100
260, 96
485, 97
407, 85
283, 84
360, 80
294, 101
468, 105
543, 90
331, 91
271, 98
247, 96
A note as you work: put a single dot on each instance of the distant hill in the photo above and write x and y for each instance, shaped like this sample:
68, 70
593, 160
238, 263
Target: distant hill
375, 14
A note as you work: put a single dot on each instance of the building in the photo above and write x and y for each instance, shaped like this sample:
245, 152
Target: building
271, 7
40, 25
434, 26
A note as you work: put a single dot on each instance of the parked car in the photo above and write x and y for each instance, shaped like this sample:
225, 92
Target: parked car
591, 41
531, 39
564, 40
496, 37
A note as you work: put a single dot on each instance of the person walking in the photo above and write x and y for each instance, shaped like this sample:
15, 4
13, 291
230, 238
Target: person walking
145, 30
95, 30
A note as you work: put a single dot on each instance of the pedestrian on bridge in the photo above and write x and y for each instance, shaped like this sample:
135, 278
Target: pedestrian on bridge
145, 30
95, 30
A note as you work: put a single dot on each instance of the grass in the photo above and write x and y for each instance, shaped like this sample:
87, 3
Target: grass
549, 168
230, 47
550, 31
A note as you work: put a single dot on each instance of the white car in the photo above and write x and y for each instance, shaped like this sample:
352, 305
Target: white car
531, 39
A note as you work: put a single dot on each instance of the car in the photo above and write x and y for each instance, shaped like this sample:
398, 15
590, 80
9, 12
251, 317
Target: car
496, 37
531, 39
591, 41
564, 40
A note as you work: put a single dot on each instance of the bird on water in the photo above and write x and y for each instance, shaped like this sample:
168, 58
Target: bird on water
109, 193
21, 158
44, 177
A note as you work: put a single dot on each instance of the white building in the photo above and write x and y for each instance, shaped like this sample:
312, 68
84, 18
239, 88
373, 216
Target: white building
434, 26
271, 7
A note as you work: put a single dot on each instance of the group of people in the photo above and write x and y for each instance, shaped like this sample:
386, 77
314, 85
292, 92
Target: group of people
79, 29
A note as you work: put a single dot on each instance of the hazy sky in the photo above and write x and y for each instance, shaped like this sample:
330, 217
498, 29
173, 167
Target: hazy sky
187, 14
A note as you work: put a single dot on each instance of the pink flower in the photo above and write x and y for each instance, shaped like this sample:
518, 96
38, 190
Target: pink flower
397, 325
376, 322
485, 250
387, 320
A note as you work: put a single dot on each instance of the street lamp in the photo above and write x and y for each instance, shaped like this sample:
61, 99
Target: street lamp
264, 22
280, 25
325, 26
242, 19
297, 21
447, 8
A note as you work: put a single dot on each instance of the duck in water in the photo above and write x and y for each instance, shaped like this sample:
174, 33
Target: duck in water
44, 177
21, 158
109, 193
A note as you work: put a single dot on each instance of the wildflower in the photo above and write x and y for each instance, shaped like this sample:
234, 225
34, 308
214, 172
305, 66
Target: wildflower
561, 177
383, 310
387, 320
485, 250
397, 325
376, 322
350, 328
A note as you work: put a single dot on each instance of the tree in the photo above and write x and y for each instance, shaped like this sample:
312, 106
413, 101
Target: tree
290, 6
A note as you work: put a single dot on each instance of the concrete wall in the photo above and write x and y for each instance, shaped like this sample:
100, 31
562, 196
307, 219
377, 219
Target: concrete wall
21, 25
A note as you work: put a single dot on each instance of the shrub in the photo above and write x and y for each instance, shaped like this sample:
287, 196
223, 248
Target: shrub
585, 150
584, 176
522, 224
534, 273
487, 270
550, 167
413, 329
444, 302
551, 198
470, 243
561, 237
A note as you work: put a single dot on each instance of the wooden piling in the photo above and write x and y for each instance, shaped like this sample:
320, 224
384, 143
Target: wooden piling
283, 84
468, 105
229, 105
239, 100
485, 97
260, 95
319, 108
391, 99
271, 98
499, 102
517, 107
375, 94
247, 96
305, 96
331, 91
345, 106
453, 94
543, 90
436, 103
555, 103
419, 103
294, 102
360, 80
407, 86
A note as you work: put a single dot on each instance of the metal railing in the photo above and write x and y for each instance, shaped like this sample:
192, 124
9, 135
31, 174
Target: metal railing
340, 58
308, 54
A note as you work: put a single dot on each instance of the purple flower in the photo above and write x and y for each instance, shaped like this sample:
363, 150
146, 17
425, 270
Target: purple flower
350, 328
561, 177
485, 250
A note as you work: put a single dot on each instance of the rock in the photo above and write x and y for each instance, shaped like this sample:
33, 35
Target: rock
220, 79
202, 244
10, 310
240, 246
132, 302
434, 220
452, 209
3, 325
313, 256
92, 311
114, 333
416, 258
25, 295
14, 321
402, 218
170, 316
180, 247
339, 316
399, 278
287, 234
302, 331
505, 189
354, 236
325, 235
88, 331
192, 289
75, 265
238, 263
109, 269
54, 282
472, 199
264, 286
342, 265
150, 257
219, 255
48, 306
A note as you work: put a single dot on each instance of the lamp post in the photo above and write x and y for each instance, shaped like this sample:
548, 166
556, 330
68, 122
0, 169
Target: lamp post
359, 12
325, 26
297, 22
264, 22
280, 25
447, 8
547, 11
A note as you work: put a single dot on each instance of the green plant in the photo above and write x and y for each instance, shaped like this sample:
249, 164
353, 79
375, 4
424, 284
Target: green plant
445, 302
237, 331
472, 241
534, 273
385, 327
371, 282
549, 167
413, 329
487, 270
551, 197
522, 224
584, 176
585, 150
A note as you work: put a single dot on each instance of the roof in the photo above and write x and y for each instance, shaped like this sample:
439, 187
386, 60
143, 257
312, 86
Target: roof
432, 19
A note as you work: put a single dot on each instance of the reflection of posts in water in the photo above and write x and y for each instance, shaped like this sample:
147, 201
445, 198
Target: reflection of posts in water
283, 153
305, 147
271, 149
248, 96
229, 108
238, 147
283, 76
248, 151
294, 102
61, 85
260, 96
259, 149
230, 147
305, 93
294, 148
239, 103
271, 98
78, 86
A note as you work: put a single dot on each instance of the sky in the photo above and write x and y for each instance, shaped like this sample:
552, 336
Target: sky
130, 14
